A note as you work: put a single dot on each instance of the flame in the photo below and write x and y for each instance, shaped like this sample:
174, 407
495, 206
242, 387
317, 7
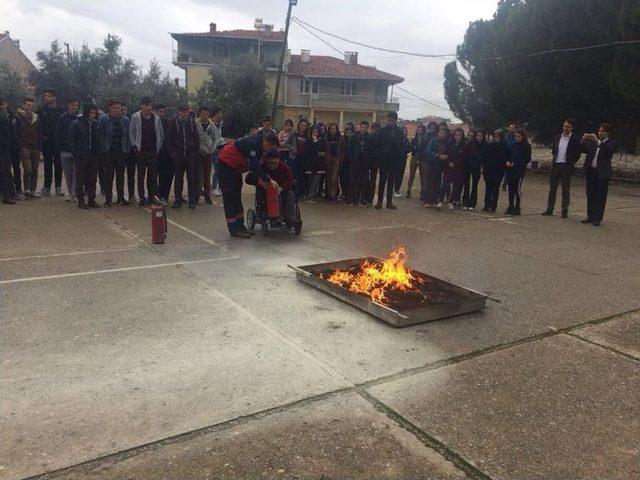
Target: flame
376, 280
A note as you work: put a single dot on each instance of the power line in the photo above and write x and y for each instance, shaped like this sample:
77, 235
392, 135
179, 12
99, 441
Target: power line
617, 43
428, 102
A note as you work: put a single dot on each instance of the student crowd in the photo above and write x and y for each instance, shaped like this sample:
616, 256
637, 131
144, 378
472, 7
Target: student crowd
363, 163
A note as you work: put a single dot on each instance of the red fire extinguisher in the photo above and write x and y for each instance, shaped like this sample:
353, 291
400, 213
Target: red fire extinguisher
158, 222
273, 202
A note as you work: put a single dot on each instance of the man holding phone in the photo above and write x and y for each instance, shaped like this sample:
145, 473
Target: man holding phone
597, 166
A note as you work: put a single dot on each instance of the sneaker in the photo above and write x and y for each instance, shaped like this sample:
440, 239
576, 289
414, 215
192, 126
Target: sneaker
217, 192
241, 234
93, 204
68, 198
107, 204
508, 211
9, 201
378, 206
586, 220
20, 196
36, 195
451, 206
45, 192
439, 206
83, 206
397, 194
59, 192
364, 204
391, 206
547, 213
596, 224
207, 200
565, 214
471, 209
141, 202
124, 202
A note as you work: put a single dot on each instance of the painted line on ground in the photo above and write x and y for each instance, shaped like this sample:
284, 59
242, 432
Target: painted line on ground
70, 254
113, 270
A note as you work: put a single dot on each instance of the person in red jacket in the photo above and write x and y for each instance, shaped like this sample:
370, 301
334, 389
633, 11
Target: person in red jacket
283, 176
236, 158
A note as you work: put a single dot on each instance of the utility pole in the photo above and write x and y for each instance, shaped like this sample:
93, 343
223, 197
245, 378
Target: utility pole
68, 51
276, 93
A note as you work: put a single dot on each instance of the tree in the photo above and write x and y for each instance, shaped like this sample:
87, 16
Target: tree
102, 74
241, 92
12, 85
501, 83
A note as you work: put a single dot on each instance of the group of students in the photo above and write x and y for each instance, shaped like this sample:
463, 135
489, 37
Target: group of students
353, 165
96, 147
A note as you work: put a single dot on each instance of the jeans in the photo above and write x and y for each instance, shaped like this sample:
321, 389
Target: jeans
514, 182
470, 192
113, 162
185, 164
492, 192
432, 183
87, 175
69, 170
387, 178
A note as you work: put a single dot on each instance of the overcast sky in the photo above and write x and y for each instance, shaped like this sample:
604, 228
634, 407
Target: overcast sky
426, 26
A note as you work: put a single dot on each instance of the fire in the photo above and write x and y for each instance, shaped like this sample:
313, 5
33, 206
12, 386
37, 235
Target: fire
376, 280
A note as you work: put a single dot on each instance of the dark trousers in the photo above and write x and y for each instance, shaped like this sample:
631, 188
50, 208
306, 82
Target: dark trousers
399, 174
344, 178
560, 175
492, 191
298, 168
387, 178
597, 190
113, 163
52, 166
359, 183
130, 162
470, 192
86, 176
147, 166
165, 174
514, 182
373, 177
415, 165
17, 173
432, 183
452, 192
185, 164
7, 187
203, 174
231, 186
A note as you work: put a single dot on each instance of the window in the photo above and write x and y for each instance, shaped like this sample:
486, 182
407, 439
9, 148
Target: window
348, 88
219, 50
308, 86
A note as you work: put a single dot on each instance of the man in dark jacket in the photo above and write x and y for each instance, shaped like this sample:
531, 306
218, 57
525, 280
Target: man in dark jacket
182, 144
28, 134
85, 141
566, 152
392, 149
373, 159
6, 139
598, 170
165, 165
49, 112
63, 127
115, 146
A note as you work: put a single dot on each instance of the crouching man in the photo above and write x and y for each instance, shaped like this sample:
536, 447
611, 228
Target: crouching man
280, 172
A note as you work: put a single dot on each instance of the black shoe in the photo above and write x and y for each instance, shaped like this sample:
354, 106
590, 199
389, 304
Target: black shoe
208, 200
83, 206
9, 201
378, 206
586, 220
596, 224
492, 210
565, 214
391, 206
241, 234
516, 211
485, 209
93, 204
547, 213
141, 202
192, 205
176, 204
508, 211
107, 204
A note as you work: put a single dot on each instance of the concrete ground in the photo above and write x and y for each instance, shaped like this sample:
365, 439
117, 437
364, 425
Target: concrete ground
204, 358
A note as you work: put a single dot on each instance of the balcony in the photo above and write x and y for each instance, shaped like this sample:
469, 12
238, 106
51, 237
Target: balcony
181, 58
343, 102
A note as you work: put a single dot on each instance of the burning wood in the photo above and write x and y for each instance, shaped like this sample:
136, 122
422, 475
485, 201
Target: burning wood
378, 280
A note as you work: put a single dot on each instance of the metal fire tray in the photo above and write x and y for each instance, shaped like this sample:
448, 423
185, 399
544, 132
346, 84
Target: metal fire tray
442, 299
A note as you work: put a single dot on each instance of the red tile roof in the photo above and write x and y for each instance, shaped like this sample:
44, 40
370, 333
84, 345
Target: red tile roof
241, 34
325, 66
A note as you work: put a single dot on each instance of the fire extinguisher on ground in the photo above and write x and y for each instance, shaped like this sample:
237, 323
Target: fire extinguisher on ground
158, 222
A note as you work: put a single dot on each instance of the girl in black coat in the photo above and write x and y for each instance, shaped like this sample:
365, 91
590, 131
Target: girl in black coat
474, 153
498, 154
516, 168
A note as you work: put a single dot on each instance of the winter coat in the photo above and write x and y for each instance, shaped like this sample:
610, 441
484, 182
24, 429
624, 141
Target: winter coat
63, 127
49, 119
392, 147
182, 137
473, 156
455, 173
28, 132
437, 147
419, 147
206, 134
287, 143
497, 155
106, 127
352, 150
317, 155
372, 152
6, 135
135, 131
85, 137
335, 149
520, 157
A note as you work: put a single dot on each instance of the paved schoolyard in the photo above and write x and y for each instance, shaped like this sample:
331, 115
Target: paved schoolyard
205, 358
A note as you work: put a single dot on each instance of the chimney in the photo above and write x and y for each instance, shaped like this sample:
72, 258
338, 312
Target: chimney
6, 32
213, 27
17, 42
305, 56
351, 58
